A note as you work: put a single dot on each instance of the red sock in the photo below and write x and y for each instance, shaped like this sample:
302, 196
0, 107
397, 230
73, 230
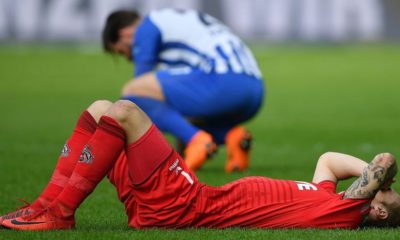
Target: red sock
97, 158
83, 131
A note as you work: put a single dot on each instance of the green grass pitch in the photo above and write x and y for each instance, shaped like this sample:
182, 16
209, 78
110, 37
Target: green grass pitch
319, 98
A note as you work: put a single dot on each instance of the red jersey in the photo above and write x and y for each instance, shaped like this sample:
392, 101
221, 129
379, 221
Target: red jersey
168, 195
258, 202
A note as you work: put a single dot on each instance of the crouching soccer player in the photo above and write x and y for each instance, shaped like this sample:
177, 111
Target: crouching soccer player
159, 190
193, 77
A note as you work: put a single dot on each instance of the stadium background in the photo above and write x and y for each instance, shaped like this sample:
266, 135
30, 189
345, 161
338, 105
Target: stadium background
270, 20
331, 69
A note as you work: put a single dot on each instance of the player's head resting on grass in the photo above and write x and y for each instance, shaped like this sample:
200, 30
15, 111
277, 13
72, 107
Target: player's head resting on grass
385, 206
118, 32
385, 210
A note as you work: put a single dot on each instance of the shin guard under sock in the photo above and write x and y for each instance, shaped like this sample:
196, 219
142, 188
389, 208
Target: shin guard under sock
83, 131
97, 158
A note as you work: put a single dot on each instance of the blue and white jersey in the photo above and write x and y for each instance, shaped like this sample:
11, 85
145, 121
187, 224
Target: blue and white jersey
187, 39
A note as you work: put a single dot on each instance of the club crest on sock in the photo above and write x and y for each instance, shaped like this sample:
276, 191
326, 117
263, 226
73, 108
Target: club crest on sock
66, 150
86, 155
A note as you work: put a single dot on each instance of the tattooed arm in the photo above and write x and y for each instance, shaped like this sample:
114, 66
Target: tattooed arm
379, 173
337, 166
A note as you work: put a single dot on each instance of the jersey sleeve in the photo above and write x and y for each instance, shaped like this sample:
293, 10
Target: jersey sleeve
146, 46
330, 186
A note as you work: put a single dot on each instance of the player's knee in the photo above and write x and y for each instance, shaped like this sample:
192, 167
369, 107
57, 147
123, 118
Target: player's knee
122, 110
99, 108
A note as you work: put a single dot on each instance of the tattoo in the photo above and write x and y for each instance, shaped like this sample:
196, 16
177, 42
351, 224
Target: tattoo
356, 190
364, 178
373, 177
378, 174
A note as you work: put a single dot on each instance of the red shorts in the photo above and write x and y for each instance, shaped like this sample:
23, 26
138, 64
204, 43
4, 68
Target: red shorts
154, 183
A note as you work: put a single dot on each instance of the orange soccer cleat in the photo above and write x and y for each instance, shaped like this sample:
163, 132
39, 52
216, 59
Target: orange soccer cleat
238, 145
21, 211
39, 221
199, 149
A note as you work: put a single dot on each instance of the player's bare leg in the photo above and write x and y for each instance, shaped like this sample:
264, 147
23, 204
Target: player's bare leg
131, 118
146, 85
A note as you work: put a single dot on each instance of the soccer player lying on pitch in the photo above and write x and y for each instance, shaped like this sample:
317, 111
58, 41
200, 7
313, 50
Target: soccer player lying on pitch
159, 190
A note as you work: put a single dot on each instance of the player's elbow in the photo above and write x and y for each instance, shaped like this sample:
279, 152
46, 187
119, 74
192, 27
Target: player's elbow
323, 170
324, 158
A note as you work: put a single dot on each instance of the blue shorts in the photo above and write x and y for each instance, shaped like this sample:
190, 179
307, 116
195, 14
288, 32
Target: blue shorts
217, 102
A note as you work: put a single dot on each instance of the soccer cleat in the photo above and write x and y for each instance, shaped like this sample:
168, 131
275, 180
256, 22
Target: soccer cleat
22, 211
39, 221
238, 145
199, 149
